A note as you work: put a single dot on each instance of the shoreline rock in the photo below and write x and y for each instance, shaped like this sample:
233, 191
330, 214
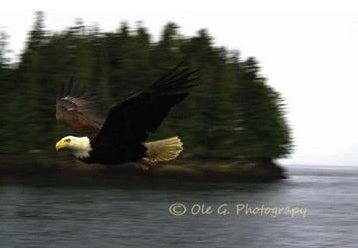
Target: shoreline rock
25, 166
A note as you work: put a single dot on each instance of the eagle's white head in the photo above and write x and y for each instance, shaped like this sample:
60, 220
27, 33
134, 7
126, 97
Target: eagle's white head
80, 146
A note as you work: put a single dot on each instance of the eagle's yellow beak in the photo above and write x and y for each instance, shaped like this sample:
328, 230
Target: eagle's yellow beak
61, 144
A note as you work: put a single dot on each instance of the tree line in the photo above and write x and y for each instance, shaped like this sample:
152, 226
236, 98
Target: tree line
232, 112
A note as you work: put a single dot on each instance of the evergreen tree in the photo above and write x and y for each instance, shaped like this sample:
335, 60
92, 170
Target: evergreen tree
262, 129
232, 113
4, 86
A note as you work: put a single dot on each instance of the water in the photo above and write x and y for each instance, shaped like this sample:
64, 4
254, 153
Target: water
135, 214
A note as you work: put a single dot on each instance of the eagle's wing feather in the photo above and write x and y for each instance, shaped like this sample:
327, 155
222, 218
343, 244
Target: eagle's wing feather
77, 108
128, 123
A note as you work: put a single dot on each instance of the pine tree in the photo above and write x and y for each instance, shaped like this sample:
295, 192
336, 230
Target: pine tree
232, 112
262, 129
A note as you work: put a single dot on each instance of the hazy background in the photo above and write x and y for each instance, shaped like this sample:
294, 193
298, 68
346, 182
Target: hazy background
306, 49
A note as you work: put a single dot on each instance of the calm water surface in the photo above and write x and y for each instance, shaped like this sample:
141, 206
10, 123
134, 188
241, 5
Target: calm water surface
135, 213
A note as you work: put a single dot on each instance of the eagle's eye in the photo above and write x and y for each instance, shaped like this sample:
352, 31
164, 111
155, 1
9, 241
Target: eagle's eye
68, 140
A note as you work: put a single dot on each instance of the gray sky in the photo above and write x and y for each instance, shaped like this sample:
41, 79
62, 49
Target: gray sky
307, 49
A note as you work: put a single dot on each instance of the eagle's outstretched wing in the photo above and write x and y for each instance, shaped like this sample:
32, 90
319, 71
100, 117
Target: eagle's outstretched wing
128, 123
77, 108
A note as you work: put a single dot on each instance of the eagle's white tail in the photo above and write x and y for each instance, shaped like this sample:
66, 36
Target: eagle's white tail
164, 150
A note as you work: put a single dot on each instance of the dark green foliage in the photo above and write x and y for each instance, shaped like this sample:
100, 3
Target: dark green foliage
232, 113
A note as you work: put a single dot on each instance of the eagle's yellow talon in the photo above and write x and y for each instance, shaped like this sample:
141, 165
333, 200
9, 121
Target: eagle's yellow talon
147, 163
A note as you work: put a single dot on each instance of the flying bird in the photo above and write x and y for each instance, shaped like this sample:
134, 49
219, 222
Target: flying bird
121, 136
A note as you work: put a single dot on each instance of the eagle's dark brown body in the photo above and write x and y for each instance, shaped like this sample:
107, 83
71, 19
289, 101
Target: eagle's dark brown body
120, 136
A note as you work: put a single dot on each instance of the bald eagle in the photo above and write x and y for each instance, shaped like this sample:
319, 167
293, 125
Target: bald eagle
121, 136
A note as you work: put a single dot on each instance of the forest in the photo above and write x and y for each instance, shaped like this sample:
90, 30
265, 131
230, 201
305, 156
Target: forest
232, 113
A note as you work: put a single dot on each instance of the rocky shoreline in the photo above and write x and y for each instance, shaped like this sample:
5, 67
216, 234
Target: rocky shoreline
42, 166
